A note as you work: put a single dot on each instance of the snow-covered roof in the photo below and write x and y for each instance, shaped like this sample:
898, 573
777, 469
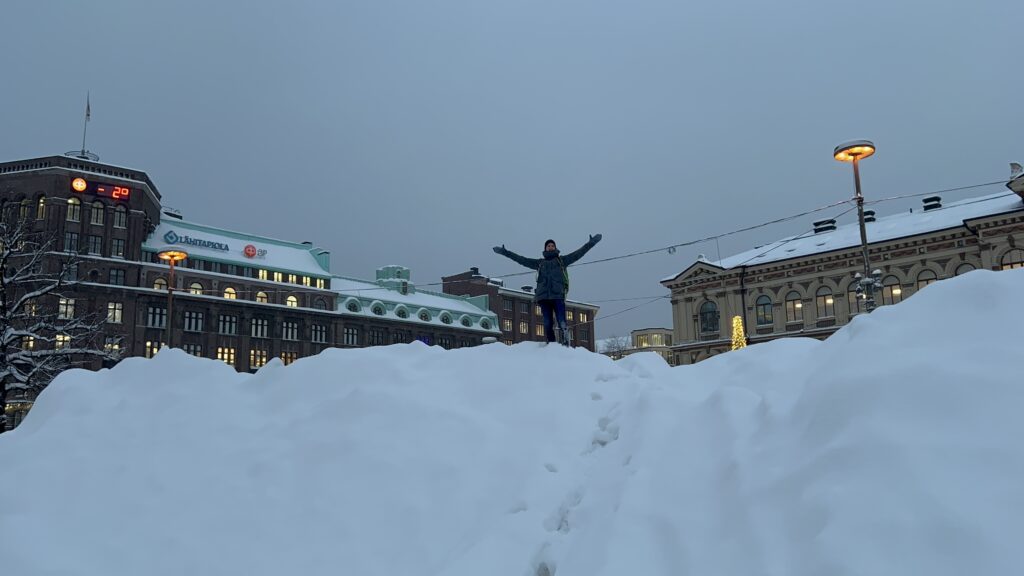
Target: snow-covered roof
900, 225
207, 242
367, 292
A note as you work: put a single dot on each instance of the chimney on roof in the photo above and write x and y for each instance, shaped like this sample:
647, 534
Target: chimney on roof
824, 226
474, 270
869, 215
932, 202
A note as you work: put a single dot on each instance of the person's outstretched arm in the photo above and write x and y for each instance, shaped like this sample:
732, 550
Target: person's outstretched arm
573, 257
531, 263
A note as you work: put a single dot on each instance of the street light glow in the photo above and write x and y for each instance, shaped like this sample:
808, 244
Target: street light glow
172, 255
855, 150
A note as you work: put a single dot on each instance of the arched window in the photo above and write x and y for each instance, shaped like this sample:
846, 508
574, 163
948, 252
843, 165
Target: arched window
892, 292
26, 205
378, 310
925, 278
292, 302
319, 304
160, 284
826, 303
41, 208
96, 214
794, 307
230, 293
709, 318
120, 216
74, 210
1012, 259
195, 288
853, 300
964, 268
764, 311
262, 297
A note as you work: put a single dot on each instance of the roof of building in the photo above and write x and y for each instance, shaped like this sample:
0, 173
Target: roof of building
221, 245
519, 292
902, 225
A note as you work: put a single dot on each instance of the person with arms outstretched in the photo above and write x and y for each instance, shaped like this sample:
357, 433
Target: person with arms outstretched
552, 282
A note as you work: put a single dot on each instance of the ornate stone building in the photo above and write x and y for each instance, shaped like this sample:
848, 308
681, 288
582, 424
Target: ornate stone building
804, 285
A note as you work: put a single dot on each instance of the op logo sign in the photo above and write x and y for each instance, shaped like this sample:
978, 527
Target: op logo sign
172, 237
251, 251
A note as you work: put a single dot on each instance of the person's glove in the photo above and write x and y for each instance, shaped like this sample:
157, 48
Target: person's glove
499, 249
595, 239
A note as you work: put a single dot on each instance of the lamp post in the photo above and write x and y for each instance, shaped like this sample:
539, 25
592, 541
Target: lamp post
868, 281
171, 256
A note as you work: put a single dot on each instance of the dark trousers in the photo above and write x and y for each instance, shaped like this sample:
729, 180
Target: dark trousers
552, 309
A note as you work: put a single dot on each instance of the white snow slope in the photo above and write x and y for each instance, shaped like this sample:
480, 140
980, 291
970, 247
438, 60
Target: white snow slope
894, 447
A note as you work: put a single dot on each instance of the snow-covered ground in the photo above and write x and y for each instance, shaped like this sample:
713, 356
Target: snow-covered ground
894, 447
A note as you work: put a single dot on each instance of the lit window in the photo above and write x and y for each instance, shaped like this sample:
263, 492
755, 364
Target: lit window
230, 293
226, 355
305, 281
293, 279
257, 358
115, 311
41, 208
111, 344
195, 288
584, 318
925, 278
278, 277
320, 283
569, 315
289, 357
1012, 259
28, 342
120, 217
537, 311
96, 214
794, 307
764, 311
66, 308
825, 302
262, 297
709, 322
152, 347
292, 302
524, 327
892, 293
539, 331
506, 324
26, 205
262, 274
74, 210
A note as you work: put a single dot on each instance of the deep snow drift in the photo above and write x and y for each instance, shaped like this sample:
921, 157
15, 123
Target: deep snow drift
892, 448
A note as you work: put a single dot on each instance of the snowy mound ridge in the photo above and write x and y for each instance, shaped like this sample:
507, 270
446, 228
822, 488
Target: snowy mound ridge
894, 447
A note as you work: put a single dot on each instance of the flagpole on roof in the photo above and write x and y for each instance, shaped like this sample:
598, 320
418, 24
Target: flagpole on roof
85, 128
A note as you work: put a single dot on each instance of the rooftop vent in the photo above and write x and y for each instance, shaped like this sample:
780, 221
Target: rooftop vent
527, 288
172, 213
496, 281
869, 215
474, 270
932, 202
824, 226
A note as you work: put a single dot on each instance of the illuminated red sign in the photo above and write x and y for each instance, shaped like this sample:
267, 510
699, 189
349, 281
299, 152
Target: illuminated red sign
83, 186
249, 251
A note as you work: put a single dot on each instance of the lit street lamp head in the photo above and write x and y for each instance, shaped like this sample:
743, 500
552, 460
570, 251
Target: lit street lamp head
172, 255
855, 150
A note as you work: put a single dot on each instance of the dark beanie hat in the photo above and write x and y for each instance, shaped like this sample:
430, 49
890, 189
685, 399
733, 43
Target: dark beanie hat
549, 241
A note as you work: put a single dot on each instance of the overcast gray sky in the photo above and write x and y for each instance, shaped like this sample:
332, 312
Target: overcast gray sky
424, 133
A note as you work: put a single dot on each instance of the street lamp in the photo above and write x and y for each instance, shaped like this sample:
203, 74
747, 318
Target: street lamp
869, 281
171, 256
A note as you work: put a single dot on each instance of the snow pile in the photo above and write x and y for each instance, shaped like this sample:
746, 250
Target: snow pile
892, 448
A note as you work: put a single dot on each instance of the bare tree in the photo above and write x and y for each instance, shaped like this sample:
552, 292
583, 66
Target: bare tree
616, 346
41, 332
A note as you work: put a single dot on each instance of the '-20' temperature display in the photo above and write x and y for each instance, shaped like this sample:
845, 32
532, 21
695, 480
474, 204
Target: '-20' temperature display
83, 186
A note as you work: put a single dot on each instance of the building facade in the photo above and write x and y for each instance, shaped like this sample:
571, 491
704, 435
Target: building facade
521, 319
241, 298
657, 340
805, 286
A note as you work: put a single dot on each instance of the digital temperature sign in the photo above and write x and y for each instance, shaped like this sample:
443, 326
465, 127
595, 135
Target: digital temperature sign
83, 186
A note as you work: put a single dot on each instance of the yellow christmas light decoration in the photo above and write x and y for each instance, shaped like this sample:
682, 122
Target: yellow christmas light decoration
739, 340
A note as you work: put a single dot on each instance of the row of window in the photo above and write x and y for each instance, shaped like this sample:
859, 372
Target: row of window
892, 293
524, 308
97, 213
94, 245
248, 272
227, 324
230, 293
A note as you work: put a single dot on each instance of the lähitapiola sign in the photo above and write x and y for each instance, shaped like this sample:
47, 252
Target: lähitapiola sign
172, 237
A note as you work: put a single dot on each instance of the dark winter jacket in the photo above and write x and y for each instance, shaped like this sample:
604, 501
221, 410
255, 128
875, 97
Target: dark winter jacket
550, 278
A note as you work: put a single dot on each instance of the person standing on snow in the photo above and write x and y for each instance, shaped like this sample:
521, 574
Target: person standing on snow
552, 282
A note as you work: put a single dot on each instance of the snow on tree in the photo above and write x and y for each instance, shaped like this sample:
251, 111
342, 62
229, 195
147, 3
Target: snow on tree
43, 330
616, 346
